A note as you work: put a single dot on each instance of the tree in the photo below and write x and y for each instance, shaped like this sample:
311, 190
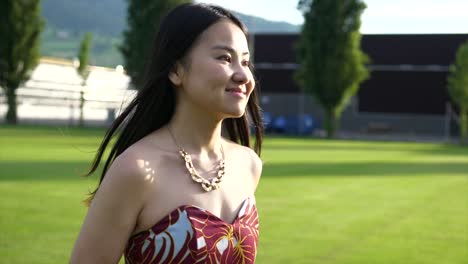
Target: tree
83, 70
332, 66
458, 86
143, 21
20, 27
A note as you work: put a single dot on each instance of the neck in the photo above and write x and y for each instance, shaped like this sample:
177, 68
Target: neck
196, 132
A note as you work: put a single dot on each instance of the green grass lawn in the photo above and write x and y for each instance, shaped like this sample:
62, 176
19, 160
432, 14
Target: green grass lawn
320, 201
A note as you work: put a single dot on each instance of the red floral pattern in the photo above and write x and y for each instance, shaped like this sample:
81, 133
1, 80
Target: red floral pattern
191, 234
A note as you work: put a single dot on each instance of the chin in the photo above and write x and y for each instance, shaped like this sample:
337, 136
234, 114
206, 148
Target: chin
234, 113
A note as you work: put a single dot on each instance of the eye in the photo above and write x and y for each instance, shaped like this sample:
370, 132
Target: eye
246, 63
225, 58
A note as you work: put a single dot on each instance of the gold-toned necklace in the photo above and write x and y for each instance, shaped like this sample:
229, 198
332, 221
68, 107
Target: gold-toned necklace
207, 185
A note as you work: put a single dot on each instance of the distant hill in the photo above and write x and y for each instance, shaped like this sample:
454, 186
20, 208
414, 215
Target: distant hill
104, 17
67, 20
260, 25
108, 17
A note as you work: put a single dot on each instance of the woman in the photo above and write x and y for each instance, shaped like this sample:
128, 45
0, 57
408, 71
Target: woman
173, 190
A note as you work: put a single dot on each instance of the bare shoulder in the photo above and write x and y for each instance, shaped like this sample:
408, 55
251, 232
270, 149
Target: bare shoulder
129, 167
250, 157
126, 179
114, 210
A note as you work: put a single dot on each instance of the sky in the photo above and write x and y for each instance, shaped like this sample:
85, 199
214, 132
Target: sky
380, 16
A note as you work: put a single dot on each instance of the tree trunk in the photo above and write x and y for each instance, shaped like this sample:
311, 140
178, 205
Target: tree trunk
82, 101
463, 125
11, 117
331, 122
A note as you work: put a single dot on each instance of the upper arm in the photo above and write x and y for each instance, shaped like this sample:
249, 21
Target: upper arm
112, 214
256, 167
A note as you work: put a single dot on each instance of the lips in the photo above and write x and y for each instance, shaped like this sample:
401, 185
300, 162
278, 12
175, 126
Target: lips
236, 90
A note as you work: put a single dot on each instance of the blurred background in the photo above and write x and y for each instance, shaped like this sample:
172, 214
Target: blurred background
406, 94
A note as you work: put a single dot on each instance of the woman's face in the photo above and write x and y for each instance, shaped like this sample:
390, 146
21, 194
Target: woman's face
215, 76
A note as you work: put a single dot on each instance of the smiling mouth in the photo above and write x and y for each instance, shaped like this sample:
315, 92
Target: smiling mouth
236, 91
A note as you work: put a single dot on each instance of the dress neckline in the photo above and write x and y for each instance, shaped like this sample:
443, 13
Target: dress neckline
199, 208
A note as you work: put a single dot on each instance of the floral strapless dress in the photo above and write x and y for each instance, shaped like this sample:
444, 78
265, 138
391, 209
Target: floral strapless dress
190, 234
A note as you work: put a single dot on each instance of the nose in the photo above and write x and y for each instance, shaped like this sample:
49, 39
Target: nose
241, 74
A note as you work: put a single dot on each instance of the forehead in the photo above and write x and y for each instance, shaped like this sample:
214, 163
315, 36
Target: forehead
223, 33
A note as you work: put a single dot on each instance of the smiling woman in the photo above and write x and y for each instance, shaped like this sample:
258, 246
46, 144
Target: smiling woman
173, 189
217, 76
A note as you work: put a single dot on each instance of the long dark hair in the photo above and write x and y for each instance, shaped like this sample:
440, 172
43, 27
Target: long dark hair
154, 104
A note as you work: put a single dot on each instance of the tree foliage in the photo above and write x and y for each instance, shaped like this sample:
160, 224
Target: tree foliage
83, 70
20, 27
458, 86
143, 21
83, 56
332, 65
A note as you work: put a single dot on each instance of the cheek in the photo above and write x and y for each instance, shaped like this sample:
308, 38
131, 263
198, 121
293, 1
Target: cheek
211, 75
219, 73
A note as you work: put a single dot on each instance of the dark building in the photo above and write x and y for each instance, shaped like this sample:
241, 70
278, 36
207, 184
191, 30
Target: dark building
406, 92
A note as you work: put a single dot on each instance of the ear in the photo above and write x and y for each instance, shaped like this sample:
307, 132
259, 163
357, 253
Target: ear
176, 74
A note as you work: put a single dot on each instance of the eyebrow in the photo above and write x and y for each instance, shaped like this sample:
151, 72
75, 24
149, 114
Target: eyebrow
227, 48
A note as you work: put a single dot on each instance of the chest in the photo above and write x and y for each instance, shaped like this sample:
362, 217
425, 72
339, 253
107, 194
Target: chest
174, 187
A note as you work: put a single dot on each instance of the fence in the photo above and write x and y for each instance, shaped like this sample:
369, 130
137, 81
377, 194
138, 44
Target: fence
48, 102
